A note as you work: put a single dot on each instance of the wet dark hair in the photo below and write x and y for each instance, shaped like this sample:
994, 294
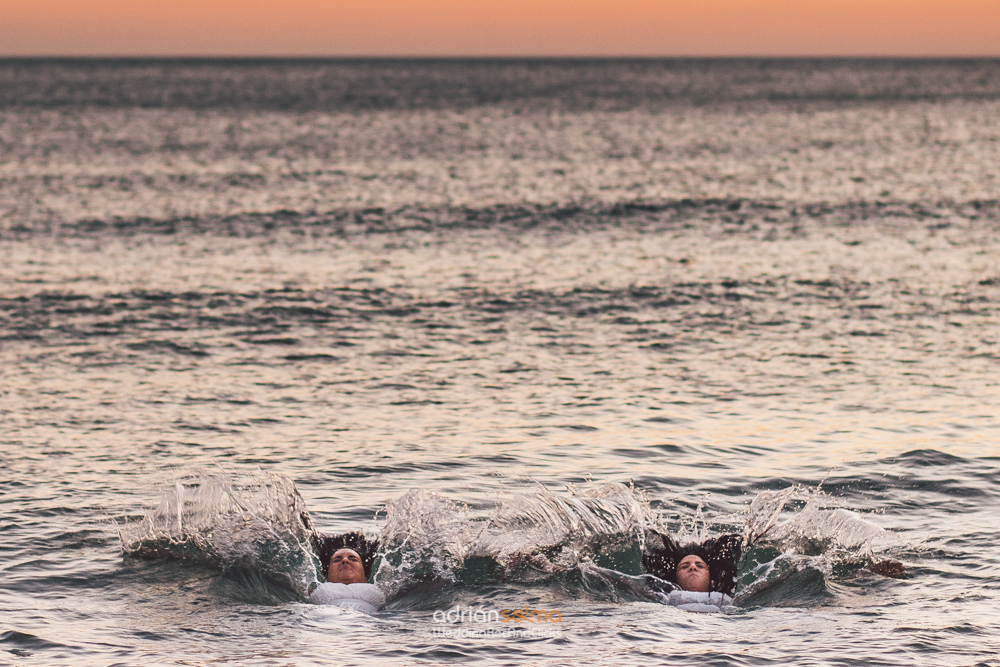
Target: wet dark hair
327, 545
721, 554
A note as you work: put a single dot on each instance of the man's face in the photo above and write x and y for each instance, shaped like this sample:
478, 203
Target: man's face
692, 574
346, 568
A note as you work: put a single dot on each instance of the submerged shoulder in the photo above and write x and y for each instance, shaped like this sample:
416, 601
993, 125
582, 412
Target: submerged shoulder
329, 591
696, 601
341, 594
368, 592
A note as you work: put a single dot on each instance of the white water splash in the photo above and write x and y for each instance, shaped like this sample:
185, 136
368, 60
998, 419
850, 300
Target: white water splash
424, 536
543, 519
256, 523
429, 537
813, 529
831, 531
810, 544
258, 526
764, 510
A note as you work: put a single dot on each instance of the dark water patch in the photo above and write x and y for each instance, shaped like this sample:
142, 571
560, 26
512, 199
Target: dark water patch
399, 312
272, 341
318, 356
217, 399
961, 629
664, 420
567, 84
399, 353
74, 539
305, 313
762, 220
636, 453
925, 458
249, 585
654, 485
31, 566
893, 489
24, 644
192, 350
499, 458
35, 317
194, 426
670, 448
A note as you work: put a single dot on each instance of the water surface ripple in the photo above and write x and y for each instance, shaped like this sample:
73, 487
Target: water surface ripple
428, 290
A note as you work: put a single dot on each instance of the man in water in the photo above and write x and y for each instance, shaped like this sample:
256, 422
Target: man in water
346, 568
364, 550
347, 560
692, 574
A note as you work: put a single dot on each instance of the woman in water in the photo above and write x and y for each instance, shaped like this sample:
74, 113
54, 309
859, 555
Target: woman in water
702, 577
694, 577
709, 567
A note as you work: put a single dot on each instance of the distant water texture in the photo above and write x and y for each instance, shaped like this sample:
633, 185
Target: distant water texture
505, 316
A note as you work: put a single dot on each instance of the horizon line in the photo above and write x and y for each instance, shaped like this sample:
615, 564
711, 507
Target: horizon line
445, 57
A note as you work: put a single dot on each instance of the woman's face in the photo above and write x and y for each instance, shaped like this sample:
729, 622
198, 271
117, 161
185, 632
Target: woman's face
692, 574
346, 568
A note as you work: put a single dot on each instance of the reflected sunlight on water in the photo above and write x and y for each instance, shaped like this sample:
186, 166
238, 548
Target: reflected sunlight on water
488, 300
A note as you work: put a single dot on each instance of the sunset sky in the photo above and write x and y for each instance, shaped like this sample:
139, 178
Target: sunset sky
500, 28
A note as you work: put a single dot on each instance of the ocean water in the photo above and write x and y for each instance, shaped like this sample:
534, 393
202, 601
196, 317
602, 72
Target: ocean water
504, 315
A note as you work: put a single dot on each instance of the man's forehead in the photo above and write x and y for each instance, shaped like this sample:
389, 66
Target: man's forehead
345, 552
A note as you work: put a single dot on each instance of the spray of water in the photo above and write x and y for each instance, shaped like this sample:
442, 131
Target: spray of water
792, 552
255, 528
428, 537
424, 537
588, 519
814, 528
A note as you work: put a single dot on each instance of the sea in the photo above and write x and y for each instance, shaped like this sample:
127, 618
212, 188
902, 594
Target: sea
503, 316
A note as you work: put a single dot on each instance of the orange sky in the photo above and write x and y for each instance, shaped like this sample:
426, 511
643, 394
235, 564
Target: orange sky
500, 27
